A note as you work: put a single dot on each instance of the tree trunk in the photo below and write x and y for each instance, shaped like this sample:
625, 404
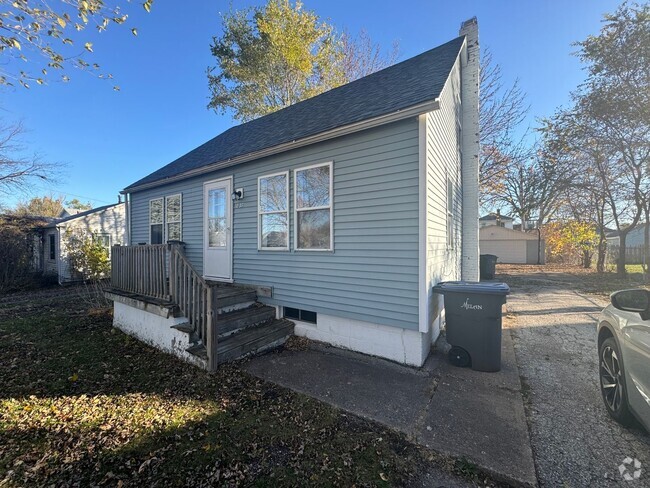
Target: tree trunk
620, 263
602, 252
646, 242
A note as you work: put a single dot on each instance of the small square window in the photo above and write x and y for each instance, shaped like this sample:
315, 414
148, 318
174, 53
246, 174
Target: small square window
302, 315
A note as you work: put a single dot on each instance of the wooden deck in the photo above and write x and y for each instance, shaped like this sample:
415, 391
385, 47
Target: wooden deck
224, 321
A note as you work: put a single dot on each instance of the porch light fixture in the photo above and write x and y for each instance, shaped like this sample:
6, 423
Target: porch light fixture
238, 194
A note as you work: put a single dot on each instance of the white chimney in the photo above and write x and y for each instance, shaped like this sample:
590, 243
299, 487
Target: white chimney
470, 147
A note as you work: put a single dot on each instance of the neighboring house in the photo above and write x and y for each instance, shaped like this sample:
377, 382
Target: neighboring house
106, 224
512, 246
341, 211
496, 219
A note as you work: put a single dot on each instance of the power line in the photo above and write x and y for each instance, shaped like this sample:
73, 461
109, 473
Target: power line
68, 194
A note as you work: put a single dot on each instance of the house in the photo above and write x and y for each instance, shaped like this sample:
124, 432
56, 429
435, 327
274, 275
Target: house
496, 219
107, 224
332, 219
512, 246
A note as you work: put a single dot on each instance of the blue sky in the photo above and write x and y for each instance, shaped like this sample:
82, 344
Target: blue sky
109, 139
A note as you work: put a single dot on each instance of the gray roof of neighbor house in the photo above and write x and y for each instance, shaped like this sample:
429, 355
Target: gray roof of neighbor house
493, 216
56, 222
406, 84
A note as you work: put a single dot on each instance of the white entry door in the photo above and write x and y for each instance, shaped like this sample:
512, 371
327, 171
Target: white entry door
217, 229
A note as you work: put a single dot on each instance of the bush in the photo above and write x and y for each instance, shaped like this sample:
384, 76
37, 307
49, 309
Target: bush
88, 258
18, 241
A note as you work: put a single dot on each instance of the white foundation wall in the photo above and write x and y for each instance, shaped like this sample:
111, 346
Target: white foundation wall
155, 330
405, 346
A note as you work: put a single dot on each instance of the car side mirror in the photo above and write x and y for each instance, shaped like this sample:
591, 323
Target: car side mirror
636, 300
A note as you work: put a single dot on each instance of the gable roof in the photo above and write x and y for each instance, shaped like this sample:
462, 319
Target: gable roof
493, 216
406, 84
81, 214
498, 233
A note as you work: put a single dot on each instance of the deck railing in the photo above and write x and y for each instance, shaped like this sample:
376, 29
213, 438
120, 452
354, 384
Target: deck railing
162, 271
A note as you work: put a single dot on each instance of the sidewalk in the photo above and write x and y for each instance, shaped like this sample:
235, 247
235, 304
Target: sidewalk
458, 412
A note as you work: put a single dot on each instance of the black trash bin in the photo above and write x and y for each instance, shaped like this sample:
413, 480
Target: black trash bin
488, 266
473, 316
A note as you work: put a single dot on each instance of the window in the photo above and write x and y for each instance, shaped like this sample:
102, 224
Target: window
104, 240
156, 221
313, 208
217, 218
302, 315
273, 212
173, 219
52, 246
450, 214
165, 219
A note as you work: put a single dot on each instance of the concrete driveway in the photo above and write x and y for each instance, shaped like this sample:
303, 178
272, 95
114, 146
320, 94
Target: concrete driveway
574, 441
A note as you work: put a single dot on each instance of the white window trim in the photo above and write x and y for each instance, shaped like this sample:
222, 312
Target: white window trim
330, 206
163, 216
260, 213
451, 228
180, 221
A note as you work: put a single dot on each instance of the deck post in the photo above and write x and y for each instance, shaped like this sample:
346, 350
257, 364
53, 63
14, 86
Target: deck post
211, 343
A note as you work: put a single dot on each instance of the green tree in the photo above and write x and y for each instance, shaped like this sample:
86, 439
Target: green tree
47, 206
76, 204
51, 31
86, 255
271, 57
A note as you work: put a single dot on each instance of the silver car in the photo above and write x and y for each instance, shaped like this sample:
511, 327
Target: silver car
624, 356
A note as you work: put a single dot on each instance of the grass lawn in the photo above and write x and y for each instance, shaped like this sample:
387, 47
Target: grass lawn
83, 404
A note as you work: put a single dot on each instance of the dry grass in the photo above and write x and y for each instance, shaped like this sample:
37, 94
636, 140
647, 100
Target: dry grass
82, 404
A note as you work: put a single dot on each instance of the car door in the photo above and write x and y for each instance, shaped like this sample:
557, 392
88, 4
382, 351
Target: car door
636, 357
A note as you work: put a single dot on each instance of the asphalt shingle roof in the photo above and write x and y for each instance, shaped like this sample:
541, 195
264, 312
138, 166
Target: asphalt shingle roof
411, 82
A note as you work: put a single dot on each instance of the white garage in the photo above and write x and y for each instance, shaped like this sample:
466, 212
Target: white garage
511, 246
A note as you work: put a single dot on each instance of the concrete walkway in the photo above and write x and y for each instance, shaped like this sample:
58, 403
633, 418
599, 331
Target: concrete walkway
462, 413
574, 440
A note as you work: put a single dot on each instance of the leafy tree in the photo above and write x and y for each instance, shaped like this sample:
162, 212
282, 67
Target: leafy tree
271, 57
571, 239
608, 126
86, 255
47, 206
75, 204
50, 31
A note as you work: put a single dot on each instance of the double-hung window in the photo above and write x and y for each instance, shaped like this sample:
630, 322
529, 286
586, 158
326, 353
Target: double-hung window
313, 208
165, 219
273, 212
173, 219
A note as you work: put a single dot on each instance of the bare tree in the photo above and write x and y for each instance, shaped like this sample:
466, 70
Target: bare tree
18, 172
362, 56
503, 108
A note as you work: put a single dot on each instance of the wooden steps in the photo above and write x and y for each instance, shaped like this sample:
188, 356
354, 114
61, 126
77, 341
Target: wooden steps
244, 326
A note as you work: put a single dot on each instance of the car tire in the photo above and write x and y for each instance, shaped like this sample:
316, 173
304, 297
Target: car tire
612, 382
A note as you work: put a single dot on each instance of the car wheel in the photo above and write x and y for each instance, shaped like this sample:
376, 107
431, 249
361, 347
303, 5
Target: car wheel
612, 382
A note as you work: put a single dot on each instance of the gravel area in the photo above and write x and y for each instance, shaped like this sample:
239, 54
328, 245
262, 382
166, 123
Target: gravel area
575, 443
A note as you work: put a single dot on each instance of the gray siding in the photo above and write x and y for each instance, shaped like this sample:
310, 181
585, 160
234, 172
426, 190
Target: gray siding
372, 274
442, 165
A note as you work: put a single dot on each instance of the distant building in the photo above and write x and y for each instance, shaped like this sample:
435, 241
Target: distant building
494, 218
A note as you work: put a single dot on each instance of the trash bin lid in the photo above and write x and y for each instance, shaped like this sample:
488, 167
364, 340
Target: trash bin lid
472, 287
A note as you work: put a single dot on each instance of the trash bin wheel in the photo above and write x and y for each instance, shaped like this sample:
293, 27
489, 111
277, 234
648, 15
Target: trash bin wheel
459, 357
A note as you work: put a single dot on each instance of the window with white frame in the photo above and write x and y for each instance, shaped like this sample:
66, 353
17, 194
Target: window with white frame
104, 240
450, 214
165, 219
156, 219
173, 218
273, 212
313, 208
